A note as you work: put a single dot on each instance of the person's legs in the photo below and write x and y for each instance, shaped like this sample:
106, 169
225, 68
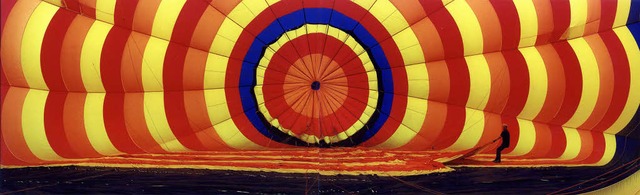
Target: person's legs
498, 153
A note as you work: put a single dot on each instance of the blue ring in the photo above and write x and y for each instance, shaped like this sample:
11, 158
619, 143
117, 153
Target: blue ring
315, 16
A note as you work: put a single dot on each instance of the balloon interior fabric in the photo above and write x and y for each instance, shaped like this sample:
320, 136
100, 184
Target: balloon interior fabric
157, 83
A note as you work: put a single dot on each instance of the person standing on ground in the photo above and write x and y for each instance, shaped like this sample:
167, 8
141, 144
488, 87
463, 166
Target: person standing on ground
505, 142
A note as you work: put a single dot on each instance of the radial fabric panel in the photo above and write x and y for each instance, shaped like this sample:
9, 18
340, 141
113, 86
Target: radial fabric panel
92, 78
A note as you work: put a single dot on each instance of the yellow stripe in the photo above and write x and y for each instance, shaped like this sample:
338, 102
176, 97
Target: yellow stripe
244, 13
90, 57
229, 132
233, 25
472, 131
480, 81
411, 124
574, 144
166, 18
609, 149
412, 54
385, 12
578, 18
633, 54
468, 25
226, 38
400, 137
366, 4
622, 13
55, 2
214, 72
590, 82
538, 83
528, 22
105, 10
156, 119
153, 64
409, 48
94, 124
419, 80
32, 44
221, 119
33, 125
526, 138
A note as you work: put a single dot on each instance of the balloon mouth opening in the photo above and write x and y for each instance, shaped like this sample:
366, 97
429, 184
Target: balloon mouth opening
315, 85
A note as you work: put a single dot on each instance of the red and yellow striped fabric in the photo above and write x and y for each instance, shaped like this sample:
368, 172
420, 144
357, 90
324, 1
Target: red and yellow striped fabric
91, 78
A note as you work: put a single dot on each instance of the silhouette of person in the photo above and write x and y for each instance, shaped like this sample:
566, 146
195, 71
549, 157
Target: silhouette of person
505, 142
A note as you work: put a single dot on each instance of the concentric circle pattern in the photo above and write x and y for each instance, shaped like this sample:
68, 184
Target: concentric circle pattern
320, 96
330, 52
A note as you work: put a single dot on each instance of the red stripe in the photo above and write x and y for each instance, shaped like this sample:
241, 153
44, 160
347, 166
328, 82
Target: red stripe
4, 83
608, 14
54, 125
453, 127
187, 20
173, 67
459, 81
573, 76
449, 33
114, 123
87, 8
561, 19
509, 21
179, 122
621, 80
599, 146
124, 12
173, 80
51, 49
72, 5
519, 83
111, 59
430, 6
558, 142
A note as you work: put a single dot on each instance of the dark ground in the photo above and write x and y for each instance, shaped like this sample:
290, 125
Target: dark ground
83, 180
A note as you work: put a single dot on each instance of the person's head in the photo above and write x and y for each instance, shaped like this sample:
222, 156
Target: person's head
505, 126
